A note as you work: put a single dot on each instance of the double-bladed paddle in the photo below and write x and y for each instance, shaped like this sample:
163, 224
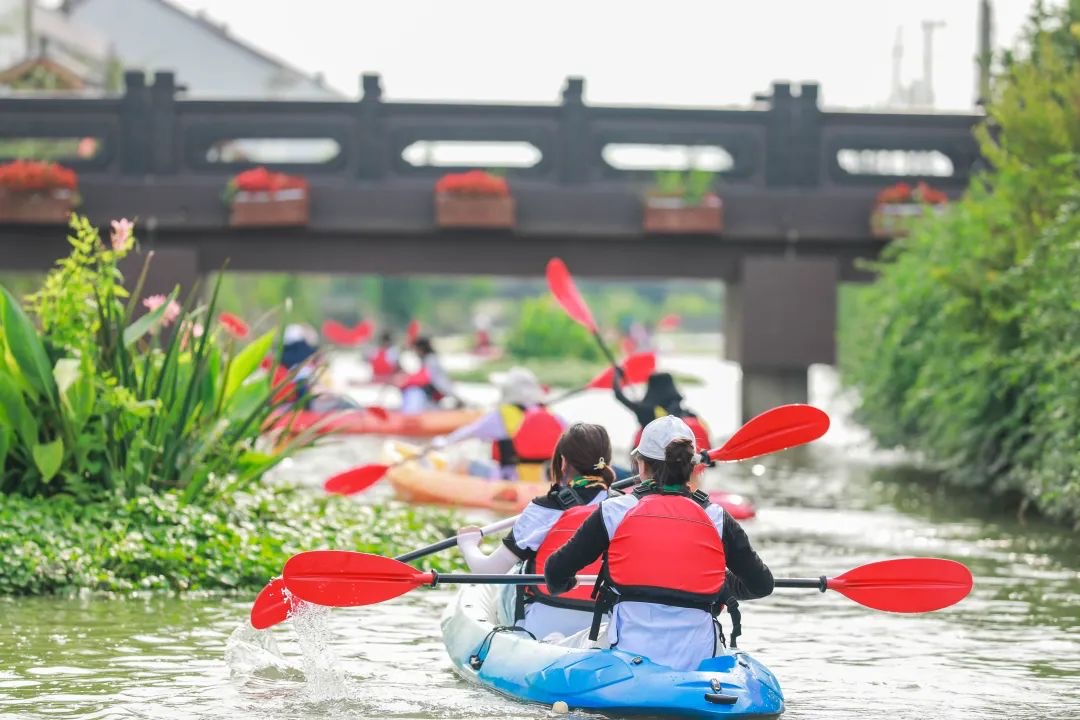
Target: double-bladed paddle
773, 430
343, 578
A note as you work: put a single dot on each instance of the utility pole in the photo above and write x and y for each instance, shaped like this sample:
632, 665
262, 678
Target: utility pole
28, 27
897, 94
985, 58
929, 26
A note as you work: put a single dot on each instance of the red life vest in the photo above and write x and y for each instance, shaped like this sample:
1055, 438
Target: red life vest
380, 363
534, 433
422, 379
580, 598
666, 550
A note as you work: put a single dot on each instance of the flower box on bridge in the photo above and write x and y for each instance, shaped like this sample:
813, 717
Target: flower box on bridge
666, 214
260, 198
44, 207
285, 208
37, 192
900, 206
474, 199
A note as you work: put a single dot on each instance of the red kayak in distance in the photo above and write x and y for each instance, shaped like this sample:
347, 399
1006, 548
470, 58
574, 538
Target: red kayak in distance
362, 422
735, 505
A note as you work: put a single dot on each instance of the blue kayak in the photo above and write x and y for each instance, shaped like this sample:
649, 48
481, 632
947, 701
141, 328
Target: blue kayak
731, 685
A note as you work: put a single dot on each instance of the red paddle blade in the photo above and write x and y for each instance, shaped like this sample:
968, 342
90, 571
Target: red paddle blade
343, 578
412, 332
336, 333
566, 293
362, 332
379, 412
671, 321
636, 369
907, 585
356, 480
272, 605
773, 430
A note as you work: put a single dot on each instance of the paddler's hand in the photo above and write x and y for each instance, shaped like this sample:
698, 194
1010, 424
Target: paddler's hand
561, 588
469, 536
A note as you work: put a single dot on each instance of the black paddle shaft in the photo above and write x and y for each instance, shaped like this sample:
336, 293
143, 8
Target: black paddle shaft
821, 583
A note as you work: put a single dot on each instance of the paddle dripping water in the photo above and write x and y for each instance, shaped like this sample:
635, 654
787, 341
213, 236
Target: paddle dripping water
1009, 650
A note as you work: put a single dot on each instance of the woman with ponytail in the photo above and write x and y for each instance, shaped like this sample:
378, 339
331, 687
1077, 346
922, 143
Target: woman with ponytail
580, 477
672, 557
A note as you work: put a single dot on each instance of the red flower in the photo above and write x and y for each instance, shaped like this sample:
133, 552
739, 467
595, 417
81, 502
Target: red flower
234, 325
262, 180
34, 176
474, 182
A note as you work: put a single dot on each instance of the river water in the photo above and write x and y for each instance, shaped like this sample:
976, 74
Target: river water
1010, 650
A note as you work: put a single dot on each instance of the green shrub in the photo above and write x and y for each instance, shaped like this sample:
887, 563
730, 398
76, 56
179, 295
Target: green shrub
967, 348
98, 401
157, 542
543, 330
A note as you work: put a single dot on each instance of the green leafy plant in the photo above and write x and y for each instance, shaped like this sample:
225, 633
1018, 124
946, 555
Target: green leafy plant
967, 348
692, 186
543, 330
99, 401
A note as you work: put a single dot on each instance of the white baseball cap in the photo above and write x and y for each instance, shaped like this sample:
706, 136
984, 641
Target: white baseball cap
518, 386
660, 433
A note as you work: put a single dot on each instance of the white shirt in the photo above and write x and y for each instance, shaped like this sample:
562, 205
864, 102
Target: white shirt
532, 526
679, 638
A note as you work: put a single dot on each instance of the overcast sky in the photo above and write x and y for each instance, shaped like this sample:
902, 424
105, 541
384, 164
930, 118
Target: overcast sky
662, 52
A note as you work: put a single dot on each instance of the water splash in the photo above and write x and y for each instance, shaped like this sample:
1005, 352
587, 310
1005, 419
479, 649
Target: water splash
326, 681
251, 652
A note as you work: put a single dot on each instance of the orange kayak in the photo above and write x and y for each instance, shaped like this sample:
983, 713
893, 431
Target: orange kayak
437, 484
361, 422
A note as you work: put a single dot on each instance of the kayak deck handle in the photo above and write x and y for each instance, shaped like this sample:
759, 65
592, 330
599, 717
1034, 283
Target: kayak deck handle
721, 698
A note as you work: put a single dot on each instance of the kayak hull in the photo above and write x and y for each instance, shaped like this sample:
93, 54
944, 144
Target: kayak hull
592, 679
415, 483
361, 422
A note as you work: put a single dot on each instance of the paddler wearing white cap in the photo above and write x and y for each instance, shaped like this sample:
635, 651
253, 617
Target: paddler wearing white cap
522, 431
673, 559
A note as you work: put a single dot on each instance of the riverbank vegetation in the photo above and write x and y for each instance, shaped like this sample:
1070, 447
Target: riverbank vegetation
967, 347
131, 454
156, 541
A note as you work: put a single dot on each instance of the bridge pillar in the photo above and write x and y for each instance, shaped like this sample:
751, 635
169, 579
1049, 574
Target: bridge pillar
780, 318
168, 268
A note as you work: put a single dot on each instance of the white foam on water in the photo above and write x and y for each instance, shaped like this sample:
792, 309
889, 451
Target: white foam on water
326, 680
254, 652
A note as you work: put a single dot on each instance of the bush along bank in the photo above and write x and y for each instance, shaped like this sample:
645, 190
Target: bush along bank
967, 347
60, 545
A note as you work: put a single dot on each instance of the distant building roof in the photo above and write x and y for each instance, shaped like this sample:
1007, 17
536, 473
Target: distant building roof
100, 13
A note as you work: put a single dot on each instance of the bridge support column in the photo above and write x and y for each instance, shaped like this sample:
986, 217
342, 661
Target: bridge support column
780, 318
168, 268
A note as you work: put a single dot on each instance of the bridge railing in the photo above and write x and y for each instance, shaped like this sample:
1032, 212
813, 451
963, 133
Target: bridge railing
786, 140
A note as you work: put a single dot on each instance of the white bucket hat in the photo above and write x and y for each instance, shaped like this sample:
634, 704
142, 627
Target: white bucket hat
518, 386
660, 433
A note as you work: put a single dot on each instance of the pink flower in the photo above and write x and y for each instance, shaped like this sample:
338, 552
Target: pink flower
121, 234
172, 312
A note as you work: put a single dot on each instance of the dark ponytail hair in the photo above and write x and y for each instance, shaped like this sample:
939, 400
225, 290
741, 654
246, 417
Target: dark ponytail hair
677, 465
583, 446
